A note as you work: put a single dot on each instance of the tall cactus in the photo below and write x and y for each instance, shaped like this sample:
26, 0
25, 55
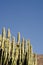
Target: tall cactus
16, 52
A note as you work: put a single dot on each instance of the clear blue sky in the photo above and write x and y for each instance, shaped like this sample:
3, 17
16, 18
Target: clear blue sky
26, 17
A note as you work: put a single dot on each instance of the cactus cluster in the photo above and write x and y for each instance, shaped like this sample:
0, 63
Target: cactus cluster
14, 52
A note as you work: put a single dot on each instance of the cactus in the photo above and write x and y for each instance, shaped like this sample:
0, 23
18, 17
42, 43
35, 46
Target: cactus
16, 52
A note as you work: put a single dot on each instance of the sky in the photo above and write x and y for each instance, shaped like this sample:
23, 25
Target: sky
26, 17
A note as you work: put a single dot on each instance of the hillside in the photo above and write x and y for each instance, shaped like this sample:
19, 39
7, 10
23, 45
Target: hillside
40, 59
